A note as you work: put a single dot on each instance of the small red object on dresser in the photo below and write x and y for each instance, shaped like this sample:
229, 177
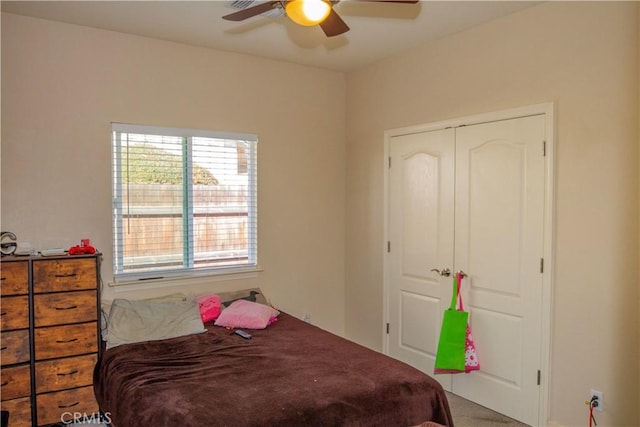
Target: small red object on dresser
82, 250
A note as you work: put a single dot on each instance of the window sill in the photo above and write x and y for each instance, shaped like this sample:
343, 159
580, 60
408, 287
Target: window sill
185, 280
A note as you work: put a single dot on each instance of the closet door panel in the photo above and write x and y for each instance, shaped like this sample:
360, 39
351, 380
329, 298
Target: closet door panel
499, 243
495, 215
420, 239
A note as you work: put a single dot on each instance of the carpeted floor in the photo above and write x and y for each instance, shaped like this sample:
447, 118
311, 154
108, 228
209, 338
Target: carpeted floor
468, 414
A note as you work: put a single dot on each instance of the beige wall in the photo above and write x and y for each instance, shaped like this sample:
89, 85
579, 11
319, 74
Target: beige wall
62, 85
583, 56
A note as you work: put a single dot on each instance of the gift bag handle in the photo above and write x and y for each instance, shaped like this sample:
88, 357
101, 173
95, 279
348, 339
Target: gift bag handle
459, 276
455, 293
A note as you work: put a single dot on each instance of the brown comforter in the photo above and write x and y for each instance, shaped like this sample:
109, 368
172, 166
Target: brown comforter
290, 374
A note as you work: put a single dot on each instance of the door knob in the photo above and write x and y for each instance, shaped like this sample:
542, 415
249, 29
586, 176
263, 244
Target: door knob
445, 272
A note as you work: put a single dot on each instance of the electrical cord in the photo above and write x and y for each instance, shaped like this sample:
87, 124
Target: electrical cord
593, 403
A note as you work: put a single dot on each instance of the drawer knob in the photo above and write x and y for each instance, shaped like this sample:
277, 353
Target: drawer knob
66, 341
69, 406
64, 374
71, 307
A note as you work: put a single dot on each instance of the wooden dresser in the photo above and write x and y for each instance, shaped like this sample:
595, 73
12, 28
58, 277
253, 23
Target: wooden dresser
50, 337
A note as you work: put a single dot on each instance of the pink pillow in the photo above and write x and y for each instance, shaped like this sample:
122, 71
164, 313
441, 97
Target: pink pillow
246, 314
210, 307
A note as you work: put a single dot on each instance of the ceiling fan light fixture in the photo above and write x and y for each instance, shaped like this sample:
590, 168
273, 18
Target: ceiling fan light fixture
308, 12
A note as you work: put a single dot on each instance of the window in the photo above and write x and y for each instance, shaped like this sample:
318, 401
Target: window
184, 202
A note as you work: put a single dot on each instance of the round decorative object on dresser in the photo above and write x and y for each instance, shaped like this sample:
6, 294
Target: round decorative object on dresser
8, 248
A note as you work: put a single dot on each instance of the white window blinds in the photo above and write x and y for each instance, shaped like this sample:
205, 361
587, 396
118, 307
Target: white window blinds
184, 201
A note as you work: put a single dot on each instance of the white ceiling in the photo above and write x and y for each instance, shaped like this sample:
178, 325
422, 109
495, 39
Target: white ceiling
378, 30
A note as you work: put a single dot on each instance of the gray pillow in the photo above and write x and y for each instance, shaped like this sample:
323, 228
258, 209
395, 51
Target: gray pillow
137, 321
106, 309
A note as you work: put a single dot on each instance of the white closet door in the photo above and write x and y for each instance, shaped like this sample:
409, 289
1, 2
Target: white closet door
499, 231
471, 198
421, 237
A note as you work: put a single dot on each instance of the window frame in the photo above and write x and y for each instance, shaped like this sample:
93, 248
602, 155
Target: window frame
117, 220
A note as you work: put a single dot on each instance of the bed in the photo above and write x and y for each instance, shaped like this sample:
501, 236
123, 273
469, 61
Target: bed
289, 374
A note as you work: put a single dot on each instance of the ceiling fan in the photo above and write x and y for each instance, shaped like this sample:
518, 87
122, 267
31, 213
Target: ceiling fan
306, 12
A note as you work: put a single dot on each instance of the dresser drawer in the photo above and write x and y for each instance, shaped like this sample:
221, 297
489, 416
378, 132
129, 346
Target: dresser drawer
56, 407
65, 373
15, 382
67, 274
63, 341
15, 347
19, 411
65, 307
14, 313
14, 278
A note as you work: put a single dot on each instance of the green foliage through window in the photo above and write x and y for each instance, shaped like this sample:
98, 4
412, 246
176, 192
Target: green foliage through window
147, 164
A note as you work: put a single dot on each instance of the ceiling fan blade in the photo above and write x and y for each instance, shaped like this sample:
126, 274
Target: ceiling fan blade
333, 25
249, 12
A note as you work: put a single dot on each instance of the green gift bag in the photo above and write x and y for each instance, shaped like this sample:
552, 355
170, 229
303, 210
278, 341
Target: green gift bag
451, 345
